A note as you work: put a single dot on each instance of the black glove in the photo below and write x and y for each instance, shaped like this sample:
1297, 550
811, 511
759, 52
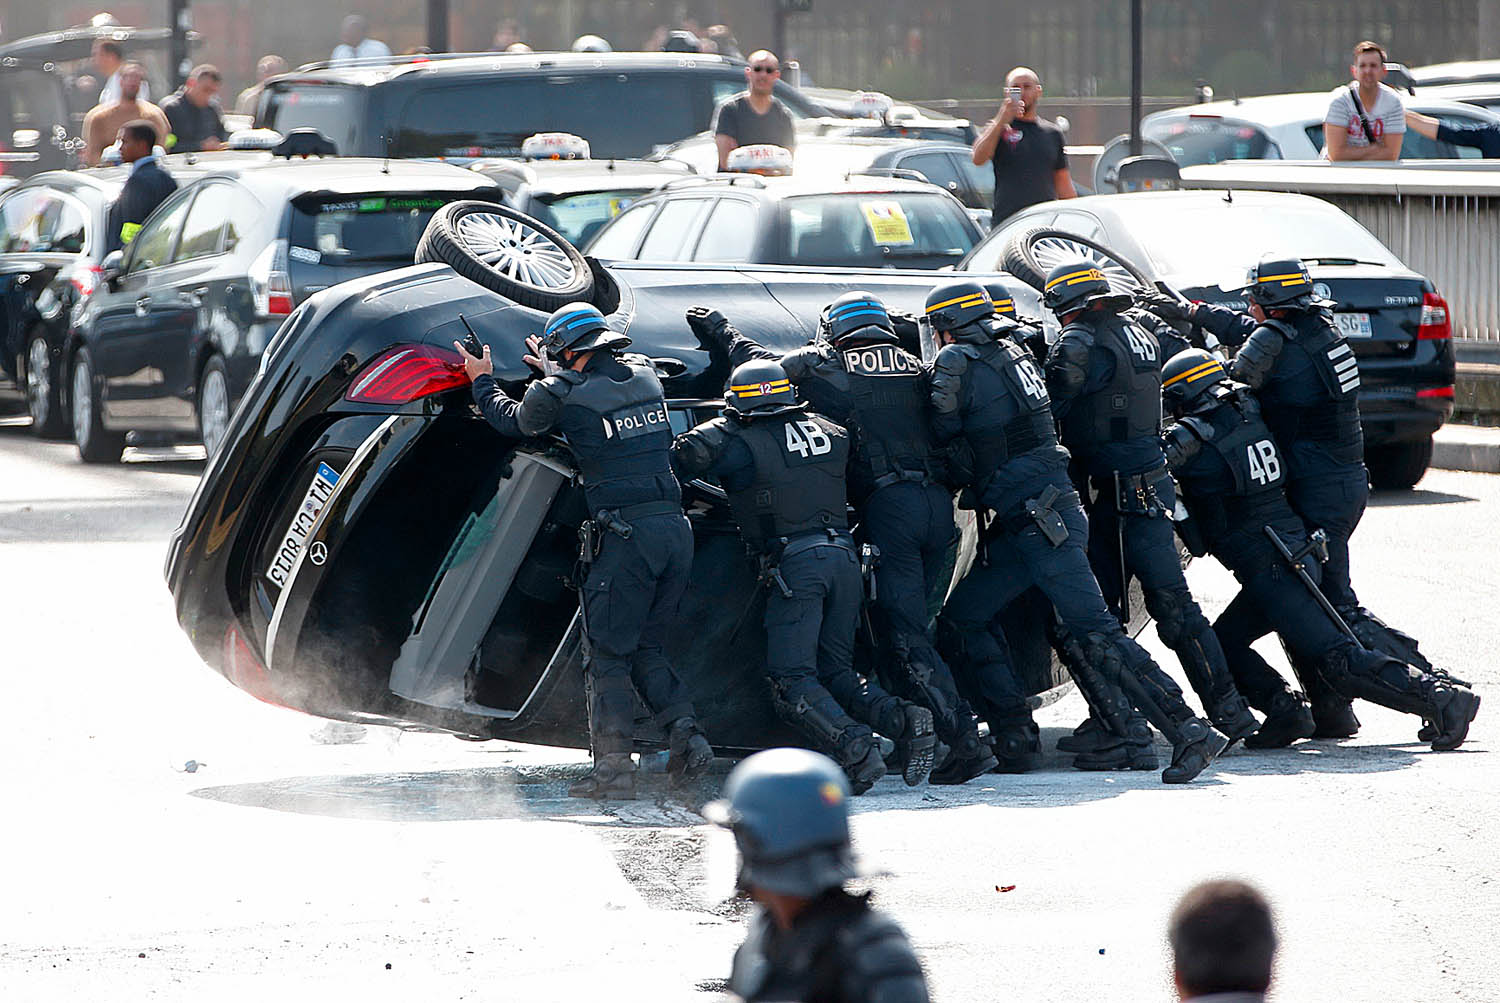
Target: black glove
908, 331
710, 326
1170, 308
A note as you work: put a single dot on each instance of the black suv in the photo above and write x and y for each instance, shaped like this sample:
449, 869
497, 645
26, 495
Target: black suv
467, 106
174, 335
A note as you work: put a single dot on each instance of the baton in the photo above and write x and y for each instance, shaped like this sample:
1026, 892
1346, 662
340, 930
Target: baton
1295, 562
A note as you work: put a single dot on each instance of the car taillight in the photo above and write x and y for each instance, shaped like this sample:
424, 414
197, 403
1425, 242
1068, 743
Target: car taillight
270, 285
1434, 322
86, 280
243, 668
406, 373
1436, 392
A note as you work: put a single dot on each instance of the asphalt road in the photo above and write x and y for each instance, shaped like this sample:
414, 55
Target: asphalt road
167, 837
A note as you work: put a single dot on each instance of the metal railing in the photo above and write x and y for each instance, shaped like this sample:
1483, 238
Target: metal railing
1442, 218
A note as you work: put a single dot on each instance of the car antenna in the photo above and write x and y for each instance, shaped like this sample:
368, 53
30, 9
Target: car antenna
385, 168
1229, 195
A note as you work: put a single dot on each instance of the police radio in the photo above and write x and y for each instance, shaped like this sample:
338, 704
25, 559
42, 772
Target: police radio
471, 341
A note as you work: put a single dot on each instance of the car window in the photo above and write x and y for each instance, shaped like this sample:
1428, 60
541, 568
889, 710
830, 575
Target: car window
729, 234
40, 220
67, 225
580, 215
1459, 120
1413, 145
1209, 140
874, 229
17, 216
152, 246
1082, 223
935, 167
617, 240
222, 214
987, 256
981, 180
672, 234
621, 115
361, 229
331, 109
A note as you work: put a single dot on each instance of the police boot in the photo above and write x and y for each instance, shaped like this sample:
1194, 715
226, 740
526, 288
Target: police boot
1090, 736
968, 759
1017, 746
612, 777
911, 728
1136, 751
1455, 708
1195, 745
859, 754
688, 751
1233, 718
1332, 713
1287, 719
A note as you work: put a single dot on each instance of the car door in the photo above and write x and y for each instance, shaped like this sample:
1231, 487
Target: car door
942, 170
126, 314
674, 233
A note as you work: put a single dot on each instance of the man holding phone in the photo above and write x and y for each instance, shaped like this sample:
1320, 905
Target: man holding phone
1030, 163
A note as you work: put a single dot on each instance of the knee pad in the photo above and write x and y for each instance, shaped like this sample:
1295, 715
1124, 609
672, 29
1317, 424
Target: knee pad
1178, 618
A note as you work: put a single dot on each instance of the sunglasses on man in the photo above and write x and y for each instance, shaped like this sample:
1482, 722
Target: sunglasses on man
765, 69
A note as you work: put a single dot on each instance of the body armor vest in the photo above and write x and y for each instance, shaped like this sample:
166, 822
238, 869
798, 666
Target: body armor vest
1247, 447
1335, 421
888, 416
799, 488
621, 436
1027, 423
1129, 405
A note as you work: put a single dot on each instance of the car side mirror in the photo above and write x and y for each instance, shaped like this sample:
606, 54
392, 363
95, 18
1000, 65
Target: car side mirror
111, 267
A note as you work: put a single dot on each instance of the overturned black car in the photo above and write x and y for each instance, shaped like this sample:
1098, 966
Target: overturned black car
365, 547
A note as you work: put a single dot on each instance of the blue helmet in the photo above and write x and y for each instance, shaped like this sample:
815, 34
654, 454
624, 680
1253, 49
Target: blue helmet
789, 812
579, 327
857, 317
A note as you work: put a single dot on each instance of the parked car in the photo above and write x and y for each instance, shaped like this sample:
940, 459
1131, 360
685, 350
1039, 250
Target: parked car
1484, 94
1468, 72
577, 197
1287, 127
1199, 240
365, 547
464, 107
941, 161
174, 334
862, 221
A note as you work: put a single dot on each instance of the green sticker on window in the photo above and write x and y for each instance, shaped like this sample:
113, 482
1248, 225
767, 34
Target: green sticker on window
371, 205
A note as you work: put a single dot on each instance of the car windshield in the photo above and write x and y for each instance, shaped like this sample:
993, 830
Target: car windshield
874, 230
331, 109
1210, 140
579, 215
361, 228
1208, 242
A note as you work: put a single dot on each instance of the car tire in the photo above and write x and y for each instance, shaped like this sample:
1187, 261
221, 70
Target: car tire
96, 444
213, 405
1398, 466
507, 252
1031, 254
42, 381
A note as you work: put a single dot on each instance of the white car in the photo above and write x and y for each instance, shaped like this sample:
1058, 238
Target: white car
1288, 127
1483, 93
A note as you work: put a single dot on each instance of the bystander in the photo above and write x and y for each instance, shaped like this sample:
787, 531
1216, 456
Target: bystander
754, 116
102, 124
268, 66
147, 187
109, 56
1223, 943
193, 112
1365, 120
355, 43
1027, 152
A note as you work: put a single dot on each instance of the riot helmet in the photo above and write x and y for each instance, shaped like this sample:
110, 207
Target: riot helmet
963, 309
1281, 283
1192, 379
789, 812
856, 318
579, 327
759, 388
1075, 285
1004, 300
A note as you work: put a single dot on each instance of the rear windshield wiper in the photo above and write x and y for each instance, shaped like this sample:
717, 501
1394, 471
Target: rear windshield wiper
1341, 261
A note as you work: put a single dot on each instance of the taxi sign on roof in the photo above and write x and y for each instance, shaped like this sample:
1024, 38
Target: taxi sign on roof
760, 158
555, 146
870, 104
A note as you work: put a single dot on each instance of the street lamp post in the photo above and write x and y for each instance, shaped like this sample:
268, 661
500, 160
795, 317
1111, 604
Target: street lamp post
437, 25
1136, 60
180, 21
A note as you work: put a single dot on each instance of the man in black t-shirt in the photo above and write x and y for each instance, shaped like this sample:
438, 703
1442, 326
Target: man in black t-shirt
193, 113
1030, 165
754, 116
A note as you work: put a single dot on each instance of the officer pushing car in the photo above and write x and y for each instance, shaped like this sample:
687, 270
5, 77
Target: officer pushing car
1233, 475
811, 939
783, 468
1306, 377
856, 373
1104, 377
987, 392
637, 546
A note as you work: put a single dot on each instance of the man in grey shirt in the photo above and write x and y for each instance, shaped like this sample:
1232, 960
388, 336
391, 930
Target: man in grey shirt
754, 116
1365, 120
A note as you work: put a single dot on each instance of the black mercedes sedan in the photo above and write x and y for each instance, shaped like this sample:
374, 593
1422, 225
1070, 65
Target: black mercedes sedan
365, 547
173, 336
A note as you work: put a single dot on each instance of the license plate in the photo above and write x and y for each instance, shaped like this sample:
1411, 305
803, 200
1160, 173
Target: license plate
1353, 325
300, 528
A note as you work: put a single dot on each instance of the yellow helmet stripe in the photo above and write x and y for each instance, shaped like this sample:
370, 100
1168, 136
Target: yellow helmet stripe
1206, 369
753, 389
1004, 305
1296, 276
967, 299
1073, 278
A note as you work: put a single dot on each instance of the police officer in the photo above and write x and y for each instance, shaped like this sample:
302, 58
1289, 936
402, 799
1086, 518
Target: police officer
857, 374
783, 468
811, 940
1104, 374
1305, 375
988, 393
610, 408
1233, 475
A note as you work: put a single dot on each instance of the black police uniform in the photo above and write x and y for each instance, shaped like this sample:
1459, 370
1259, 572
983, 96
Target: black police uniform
614, 417
877, 390
1104, 375
990, 394
784, 475
1232, 474
838, 950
